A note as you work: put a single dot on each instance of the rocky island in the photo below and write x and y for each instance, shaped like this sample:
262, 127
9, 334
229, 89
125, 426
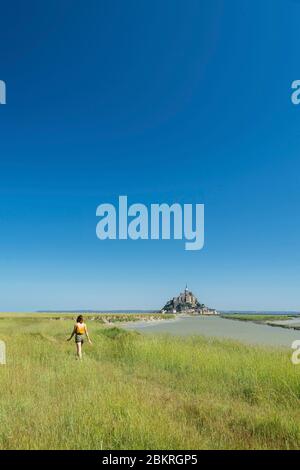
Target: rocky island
186, 302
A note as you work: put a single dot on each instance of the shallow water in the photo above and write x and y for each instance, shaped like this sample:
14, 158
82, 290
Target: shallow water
244, 331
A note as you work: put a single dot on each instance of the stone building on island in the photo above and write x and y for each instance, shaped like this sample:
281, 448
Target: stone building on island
186, 302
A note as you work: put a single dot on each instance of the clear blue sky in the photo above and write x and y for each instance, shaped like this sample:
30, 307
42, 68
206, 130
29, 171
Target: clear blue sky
164, 101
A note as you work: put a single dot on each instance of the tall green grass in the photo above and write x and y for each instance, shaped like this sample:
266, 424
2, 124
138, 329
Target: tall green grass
143, 392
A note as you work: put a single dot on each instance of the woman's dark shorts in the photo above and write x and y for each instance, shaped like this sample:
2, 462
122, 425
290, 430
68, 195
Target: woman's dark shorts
78, 338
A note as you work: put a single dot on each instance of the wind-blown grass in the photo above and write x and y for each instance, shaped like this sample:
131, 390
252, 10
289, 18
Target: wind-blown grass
143, 392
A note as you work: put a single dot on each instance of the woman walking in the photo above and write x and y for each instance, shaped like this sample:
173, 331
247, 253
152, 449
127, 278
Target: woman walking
79, 331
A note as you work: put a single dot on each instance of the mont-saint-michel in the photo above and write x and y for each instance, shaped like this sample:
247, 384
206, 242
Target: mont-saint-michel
186, 302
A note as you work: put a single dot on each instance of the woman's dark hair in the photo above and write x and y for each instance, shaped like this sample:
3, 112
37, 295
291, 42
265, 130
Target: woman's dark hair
79, 319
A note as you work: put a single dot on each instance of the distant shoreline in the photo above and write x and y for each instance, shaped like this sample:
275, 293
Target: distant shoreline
146, 312
287, 321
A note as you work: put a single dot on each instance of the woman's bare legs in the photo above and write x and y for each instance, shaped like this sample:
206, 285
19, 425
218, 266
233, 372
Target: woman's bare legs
79, 350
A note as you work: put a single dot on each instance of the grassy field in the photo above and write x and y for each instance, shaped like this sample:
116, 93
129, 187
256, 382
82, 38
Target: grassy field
99, 317
142, 392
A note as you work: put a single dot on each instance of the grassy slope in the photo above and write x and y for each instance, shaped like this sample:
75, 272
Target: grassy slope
132, 391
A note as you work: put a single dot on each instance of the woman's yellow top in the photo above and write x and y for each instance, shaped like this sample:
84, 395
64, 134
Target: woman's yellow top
80, 328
